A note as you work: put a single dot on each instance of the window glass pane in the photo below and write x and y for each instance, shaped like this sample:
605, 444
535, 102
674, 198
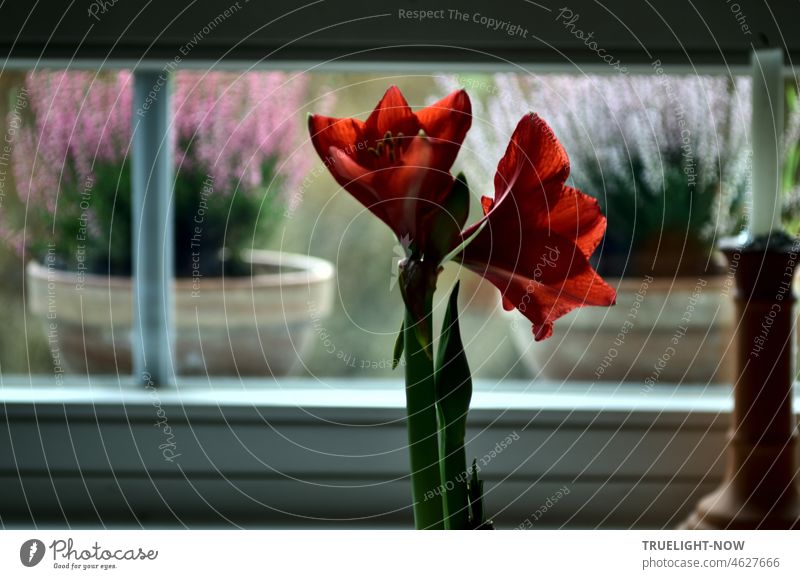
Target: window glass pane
260, 224
65, 215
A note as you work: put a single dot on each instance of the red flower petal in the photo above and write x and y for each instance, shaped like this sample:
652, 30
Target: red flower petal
419, 167
545, 277
400, 195
391, 163
327, 132
392, 114
578, 216
359, 182
539, 233
447, 122
486, 204
534, 161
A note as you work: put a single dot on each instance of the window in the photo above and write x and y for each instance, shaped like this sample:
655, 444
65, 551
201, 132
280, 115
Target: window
90, 438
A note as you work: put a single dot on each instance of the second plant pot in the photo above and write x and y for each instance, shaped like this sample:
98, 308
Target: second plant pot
662, 330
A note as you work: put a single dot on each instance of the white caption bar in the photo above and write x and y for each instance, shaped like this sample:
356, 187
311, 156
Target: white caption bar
387, 554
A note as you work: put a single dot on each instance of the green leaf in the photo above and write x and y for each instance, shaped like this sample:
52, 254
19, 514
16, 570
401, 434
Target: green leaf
790, 167
398, 346
453, 377
460, 247
457, 203
453, 394
449, 220
791, 98
478, 514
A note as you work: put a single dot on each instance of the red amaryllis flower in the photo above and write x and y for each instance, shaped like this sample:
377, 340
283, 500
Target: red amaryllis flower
397, 162
538, 233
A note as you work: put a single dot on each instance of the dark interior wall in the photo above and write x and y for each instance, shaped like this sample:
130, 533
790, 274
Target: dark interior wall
634, 32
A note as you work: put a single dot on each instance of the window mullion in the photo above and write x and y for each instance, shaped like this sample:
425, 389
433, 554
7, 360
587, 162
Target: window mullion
153, 251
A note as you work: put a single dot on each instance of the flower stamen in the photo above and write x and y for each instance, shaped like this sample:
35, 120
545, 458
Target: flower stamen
386, 143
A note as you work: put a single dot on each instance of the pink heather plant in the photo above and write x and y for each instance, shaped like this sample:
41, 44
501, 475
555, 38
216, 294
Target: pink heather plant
235, 154
227, 125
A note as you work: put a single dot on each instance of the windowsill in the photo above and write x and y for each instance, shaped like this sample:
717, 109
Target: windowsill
510, 401
512, 395
299, 452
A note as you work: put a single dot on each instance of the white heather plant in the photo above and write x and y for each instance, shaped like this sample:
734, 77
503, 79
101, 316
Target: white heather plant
667, 156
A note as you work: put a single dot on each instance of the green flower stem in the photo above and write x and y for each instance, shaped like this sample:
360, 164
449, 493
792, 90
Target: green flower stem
453, 466
422, 430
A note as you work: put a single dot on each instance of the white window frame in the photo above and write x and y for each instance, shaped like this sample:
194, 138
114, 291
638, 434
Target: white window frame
88, 452
261, 453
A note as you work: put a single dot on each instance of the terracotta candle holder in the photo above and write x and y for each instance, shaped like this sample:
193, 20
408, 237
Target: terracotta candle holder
760, 487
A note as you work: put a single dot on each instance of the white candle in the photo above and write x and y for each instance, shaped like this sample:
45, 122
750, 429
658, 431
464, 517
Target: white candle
766, 134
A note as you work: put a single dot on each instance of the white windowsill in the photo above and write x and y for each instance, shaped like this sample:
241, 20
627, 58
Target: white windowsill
515, 395
300, 452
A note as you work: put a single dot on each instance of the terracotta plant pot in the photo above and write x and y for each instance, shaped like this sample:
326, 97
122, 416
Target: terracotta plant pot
248, 326
662, 330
